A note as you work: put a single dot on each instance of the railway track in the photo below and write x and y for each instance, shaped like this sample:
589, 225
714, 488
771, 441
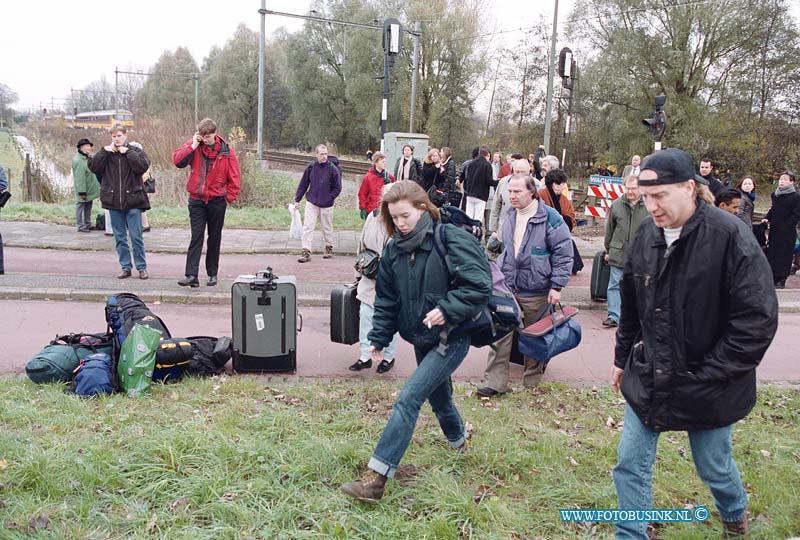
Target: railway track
302, 160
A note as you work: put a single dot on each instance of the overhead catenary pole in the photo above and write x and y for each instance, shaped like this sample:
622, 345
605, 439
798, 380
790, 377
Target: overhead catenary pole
414, 69
314, 18
196, 94
262, 37
548, 116
116, 91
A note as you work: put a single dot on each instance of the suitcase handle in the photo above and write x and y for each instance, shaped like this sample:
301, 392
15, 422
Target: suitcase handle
300, 327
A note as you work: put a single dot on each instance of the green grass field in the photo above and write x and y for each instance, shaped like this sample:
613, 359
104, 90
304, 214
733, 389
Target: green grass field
241, 457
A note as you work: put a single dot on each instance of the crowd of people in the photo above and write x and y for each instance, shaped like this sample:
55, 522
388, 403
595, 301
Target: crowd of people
680, 245
671, 243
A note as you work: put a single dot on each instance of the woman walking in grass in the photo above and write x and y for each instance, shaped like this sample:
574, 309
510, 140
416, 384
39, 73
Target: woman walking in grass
417, 297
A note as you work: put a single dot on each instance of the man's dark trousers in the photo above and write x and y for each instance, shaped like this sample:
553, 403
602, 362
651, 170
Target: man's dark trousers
200, 214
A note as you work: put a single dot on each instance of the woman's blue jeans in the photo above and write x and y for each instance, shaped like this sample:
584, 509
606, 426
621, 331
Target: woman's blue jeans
430, 381
712, 451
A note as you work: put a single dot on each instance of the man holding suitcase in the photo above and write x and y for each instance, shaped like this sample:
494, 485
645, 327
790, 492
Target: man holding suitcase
626, 214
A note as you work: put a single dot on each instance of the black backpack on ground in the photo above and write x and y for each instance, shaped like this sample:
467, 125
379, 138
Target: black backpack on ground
123, 310
209, 355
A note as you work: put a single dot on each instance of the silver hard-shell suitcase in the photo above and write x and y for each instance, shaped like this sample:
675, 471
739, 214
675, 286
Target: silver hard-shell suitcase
264, 322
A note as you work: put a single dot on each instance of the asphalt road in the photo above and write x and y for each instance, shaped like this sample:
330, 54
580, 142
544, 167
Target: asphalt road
27, 326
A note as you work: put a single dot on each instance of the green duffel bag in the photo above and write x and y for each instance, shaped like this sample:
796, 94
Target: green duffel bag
137, 358
58, 361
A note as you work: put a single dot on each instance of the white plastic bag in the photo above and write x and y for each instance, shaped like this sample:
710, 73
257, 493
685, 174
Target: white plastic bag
296, 228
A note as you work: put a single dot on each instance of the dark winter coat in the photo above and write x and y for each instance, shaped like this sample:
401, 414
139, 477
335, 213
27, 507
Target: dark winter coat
449, 173
414, 171
121, 185
479, 179
321, 184
713, 184
705, 310
746, 207
430, 175
409, 285
783, 218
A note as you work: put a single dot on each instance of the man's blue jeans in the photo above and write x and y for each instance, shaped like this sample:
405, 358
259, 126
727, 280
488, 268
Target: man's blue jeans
712, 452
430, 381
614, 300
122, 223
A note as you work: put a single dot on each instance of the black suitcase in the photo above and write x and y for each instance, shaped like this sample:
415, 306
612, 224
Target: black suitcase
265, 323
345, 314
601, 272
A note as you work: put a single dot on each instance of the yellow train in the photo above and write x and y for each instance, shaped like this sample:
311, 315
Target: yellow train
103, 119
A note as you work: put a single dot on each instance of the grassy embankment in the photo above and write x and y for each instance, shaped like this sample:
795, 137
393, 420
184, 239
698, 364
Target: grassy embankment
235, 458
261, 205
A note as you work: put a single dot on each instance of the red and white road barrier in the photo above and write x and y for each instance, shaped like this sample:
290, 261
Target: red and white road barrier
595, 211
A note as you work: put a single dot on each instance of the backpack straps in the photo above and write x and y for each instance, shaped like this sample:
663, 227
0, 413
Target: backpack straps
440, 245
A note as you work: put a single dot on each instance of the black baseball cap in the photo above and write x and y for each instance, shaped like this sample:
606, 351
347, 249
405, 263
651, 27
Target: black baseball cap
84, 141
672, 166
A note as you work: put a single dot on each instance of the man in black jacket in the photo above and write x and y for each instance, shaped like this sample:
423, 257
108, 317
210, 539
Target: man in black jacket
707, 173
120, 167
689, 339
479, 179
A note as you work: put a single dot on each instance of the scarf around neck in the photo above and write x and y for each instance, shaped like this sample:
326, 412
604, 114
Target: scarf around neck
751, 195
555, 198
404, 170
411, 241
785, 191
211, 152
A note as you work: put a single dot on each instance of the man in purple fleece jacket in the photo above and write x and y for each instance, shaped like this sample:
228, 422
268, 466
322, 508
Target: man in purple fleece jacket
321, 184
536, 263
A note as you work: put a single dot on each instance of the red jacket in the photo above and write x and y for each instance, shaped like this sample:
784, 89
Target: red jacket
220, 177
369, 194
505, 170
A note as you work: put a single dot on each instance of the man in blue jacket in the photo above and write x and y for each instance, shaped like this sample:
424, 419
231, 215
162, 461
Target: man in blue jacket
536, 263
321, 184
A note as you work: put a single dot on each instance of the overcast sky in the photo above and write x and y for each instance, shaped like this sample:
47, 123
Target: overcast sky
48, 47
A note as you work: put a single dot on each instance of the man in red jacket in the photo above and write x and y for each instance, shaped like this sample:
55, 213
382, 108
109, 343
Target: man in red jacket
214, 182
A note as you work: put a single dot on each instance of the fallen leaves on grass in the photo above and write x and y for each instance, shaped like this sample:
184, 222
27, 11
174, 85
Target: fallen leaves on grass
42, 521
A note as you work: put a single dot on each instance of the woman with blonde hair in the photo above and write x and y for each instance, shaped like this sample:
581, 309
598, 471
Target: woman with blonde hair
417, 297
430, 169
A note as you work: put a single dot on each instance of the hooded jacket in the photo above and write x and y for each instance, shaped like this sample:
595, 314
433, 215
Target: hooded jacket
209, 179
705, 311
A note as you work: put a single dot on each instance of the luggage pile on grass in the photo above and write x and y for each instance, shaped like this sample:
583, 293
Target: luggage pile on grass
136, 350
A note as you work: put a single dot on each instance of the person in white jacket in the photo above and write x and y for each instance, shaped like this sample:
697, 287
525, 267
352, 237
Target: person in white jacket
373, 237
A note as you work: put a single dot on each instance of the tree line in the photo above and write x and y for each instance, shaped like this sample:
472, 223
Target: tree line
730, 70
